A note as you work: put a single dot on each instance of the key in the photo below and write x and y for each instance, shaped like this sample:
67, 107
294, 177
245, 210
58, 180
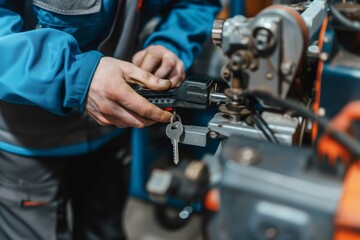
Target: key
174, 130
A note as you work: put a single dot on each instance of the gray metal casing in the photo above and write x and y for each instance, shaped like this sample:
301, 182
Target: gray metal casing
279, 194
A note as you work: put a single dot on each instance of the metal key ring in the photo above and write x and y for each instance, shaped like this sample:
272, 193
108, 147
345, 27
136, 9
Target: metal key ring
175, 116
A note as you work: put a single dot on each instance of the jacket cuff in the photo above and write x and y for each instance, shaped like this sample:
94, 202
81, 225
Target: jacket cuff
81, 74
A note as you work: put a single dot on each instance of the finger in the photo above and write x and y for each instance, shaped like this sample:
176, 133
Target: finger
151, 61
177, 75
109, 113
167, 65
114, 114
138, 58
125, 118
142, 107
135, 75
141, 122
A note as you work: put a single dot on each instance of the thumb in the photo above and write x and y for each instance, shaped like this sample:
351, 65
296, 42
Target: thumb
139, 76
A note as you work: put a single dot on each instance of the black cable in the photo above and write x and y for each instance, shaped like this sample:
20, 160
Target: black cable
352, 25
264, 127
349, 143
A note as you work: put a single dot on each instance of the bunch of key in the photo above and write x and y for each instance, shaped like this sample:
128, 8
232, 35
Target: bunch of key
174, 130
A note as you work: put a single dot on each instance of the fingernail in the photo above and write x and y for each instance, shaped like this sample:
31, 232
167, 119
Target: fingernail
164, 82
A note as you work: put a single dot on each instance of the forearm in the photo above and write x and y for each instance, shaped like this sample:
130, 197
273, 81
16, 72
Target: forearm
43, 67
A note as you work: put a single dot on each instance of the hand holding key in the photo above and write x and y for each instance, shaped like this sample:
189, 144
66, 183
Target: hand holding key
174, 130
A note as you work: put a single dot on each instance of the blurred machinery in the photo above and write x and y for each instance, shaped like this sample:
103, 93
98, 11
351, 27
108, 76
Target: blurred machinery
282, 169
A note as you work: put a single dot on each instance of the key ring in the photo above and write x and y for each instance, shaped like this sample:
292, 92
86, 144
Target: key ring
175, 116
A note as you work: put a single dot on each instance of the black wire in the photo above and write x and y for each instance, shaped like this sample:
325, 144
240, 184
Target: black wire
263, 127
352, 25
349, 143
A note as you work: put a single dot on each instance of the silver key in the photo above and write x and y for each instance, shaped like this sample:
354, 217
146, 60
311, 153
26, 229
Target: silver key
174, 130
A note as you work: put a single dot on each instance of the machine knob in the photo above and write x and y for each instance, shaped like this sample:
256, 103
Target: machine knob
216, 32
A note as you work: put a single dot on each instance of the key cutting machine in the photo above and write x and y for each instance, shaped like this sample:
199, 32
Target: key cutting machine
287, 165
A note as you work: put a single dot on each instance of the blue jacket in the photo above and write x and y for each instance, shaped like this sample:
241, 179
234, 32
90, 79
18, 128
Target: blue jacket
52, 67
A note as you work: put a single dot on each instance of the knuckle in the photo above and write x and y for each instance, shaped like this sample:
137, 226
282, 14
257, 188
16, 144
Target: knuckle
112, 94
181, 65
136, 59
154, 55
104, 109
140, 124
157, 47
170, 62
103, 121
128, 69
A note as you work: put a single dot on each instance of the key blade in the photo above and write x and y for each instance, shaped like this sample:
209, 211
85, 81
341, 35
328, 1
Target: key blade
174, 131
176, 152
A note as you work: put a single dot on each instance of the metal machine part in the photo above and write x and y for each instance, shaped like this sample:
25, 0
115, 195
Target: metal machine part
195, 135
285, 129
265, 52
283, 126
186, 181
274, 193
314, 16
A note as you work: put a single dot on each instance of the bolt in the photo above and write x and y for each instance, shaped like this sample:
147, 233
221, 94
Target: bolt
269, 75
240, 60
213, 135
226, 73
287, 68
244, 40
246, 156
313, 49
186, 212
324, 56
326, 39
254, 65
263, 40
217, 32
270, 233
322, 112
236, 62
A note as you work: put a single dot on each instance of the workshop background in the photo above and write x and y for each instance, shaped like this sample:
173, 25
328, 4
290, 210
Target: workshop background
280, 146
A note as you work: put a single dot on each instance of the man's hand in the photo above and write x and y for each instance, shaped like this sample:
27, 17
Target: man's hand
111, 100
162, 63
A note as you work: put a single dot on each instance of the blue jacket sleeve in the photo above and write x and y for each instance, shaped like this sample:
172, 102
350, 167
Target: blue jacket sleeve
184, 26
43, 67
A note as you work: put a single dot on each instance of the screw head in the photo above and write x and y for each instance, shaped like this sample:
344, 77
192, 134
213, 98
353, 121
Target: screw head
213, 135
246, 156
287, 68
324, 56
269, 75
322, 112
